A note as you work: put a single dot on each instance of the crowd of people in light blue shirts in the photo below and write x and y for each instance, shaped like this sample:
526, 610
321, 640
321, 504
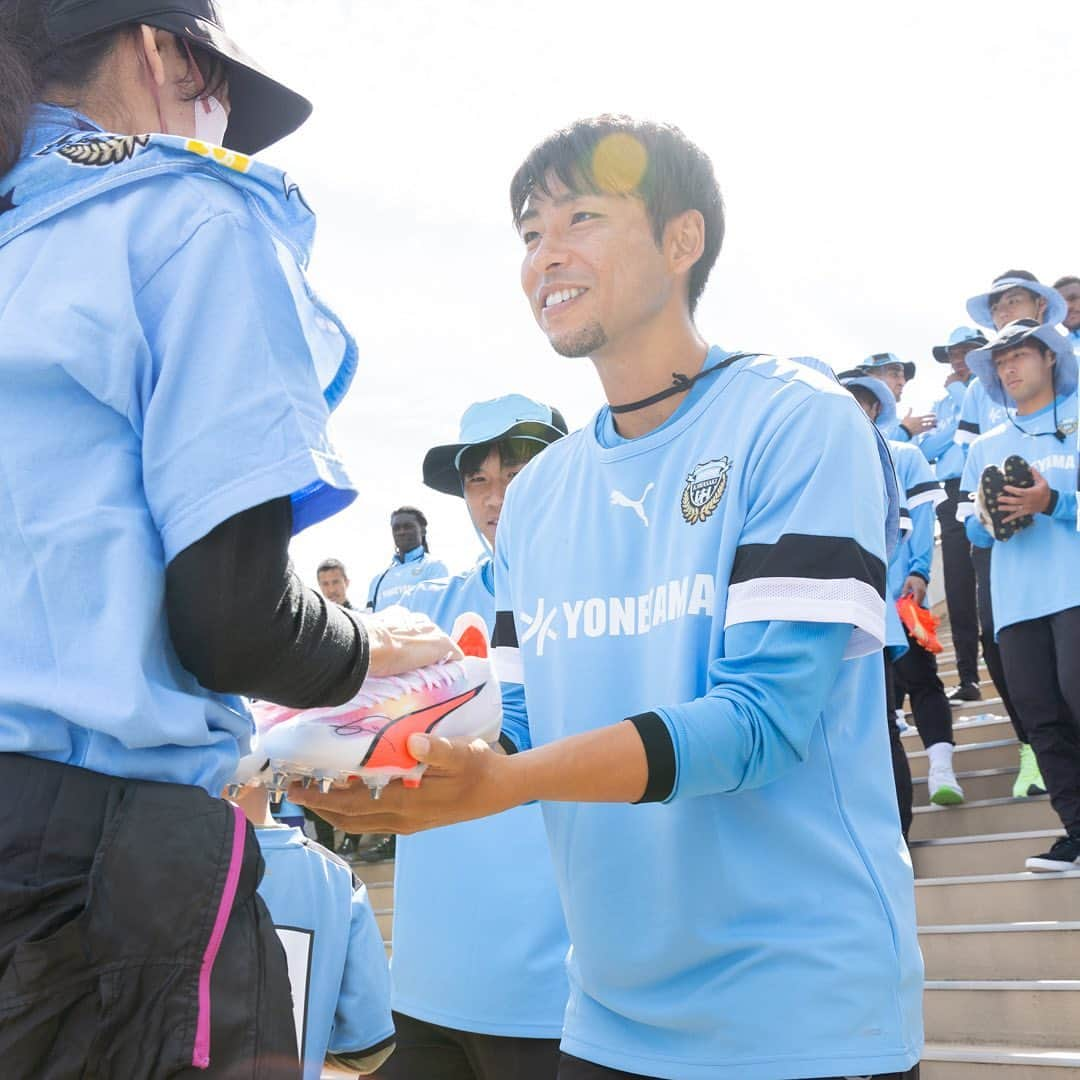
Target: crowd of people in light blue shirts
690, 598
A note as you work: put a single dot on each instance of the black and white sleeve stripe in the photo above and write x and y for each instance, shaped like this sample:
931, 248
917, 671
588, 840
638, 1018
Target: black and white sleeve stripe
966, 432
905, 521
507, 657
965, 505
930, 491
804, 578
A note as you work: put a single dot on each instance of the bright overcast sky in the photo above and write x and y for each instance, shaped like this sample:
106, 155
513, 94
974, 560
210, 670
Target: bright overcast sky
879, 163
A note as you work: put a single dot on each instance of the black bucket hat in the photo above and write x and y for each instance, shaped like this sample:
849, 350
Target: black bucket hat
262, 110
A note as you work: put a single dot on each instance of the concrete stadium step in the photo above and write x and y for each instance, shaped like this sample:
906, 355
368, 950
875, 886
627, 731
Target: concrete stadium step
971, 757
983, 816
965, 856
1041, 1013
982, 727
998, 898
953, 1061
374, 873
1027, 950
977, 785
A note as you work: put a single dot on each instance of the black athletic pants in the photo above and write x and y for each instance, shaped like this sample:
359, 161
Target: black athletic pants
572, 1068
980, 558
959, 573
916, 677
900, 766
432, 1052
1042, 664
132, 941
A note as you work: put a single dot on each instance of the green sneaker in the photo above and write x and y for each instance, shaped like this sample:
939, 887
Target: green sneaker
1029, 779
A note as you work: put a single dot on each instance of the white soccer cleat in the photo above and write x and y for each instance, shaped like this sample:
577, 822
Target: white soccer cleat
367, 737
252, 768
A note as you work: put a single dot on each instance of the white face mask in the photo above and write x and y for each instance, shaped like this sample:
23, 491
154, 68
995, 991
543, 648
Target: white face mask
211, 120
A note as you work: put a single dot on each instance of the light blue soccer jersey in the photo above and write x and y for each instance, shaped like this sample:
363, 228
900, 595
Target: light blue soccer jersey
480, 942
337, 964
403, 573
939, 446
725, 572
1033, 573
978, 413
922, 493
165, 366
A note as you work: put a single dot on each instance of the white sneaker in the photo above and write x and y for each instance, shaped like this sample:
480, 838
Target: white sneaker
366, 737
944, 788
901, 721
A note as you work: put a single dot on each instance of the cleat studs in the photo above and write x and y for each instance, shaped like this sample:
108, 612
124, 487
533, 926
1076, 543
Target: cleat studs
325, 784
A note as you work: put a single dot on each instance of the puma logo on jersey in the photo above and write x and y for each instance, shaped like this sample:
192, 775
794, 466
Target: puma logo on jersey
637, 505
618, 616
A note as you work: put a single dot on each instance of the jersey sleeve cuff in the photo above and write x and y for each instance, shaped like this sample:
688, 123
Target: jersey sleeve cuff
1051, 506
659, 754
362, 659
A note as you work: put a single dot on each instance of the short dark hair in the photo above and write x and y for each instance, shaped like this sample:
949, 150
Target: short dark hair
512, 451
419, 515
331, 564
864, 396
674, 175
1069, 279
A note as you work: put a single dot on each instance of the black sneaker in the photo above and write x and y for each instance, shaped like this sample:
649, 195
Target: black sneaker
349, 848
1064, 855
381, 851
964, 692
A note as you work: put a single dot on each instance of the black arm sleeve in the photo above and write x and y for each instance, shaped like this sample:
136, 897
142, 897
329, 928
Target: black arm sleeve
242, 622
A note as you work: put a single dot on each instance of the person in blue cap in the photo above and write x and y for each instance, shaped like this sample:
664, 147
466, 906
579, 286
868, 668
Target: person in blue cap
689, 616
914, 669
479, 978
412, 561
940, 449
896, 374
1012, 295
168, 375
1032, 370
1069, 288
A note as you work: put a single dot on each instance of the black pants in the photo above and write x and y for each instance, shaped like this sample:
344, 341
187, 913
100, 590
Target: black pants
1042, 663
959, 573
980, 558
900, 766
917, 678
431, 1052
572, 1068
112, 893
324, 831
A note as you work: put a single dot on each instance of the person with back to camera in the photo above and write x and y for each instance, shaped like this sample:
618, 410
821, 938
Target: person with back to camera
168, 376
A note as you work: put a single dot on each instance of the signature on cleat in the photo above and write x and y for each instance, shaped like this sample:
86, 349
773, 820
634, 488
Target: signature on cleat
367, 725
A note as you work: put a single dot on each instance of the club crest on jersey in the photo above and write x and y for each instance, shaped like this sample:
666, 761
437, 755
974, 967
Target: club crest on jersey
1067, 427
705, 487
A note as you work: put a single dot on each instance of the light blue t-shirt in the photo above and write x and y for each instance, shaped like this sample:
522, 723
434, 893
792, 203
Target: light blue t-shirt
337, 964
165, 366
403, 573
480, 942
727, 572
939, 446
922, 493
1033, 573
978, 413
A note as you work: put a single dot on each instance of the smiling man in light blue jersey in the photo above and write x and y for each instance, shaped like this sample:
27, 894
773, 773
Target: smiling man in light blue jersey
914, 669
690, 599
1036, 591
479, 983
940, 449
412, 561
